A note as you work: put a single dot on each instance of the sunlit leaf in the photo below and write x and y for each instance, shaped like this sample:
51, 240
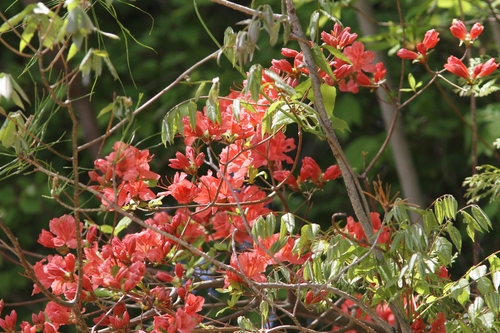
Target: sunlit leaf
320, 60
478, 272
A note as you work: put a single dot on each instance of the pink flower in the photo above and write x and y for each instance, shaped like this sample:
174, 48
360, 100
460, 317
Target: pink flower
458, 30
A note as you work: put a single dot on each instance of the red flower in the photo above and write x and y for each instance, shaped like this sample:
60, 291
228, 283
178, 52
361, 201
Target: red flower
62, 233
355, 229
418, 326
443, 273
457, 67
437, 326
338, 38
193, 304
485, 69
252, 266
188, 163
430, 40
458, 30
290, 180
380, 72
9, 323
58, 314
361, 61
309, 170
185, 322
181, 189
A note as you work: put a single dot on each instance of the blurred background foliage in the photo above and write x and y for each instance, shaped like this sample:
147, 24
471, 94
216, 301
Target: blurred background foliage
162, 38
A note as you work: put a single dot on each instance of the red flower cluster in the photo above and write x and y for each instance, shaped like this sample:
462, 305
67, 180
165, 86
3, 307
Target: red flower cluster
355, 229
457, 67
453, 65
458, 30
309, 172
124, 175
349, 75
423, 48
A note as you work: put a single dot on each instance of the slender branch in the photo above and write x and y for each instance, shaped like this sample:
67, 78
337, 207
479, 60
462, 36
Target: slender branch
247, 10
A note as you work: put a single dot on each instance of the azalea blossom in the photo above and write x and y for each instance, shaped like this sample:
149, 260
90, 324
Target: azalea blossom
338, 37
189, 163
354, 228
430, 40
351, 76
62, 233
457, 67
458, 30
252, 266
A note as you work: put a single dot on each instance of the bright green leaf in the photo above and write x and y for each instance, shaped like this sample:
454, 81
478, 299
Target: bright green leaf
329, 94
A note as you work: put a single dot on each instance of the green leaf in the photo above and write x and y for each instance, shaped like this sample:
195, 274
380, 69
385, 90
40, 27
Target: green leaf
461, 291
478, 272
442, 248
313, 24
169, 127
412, 82
270, 225
329, 94
320, 60
455, 236
493, 302
16, 19
289, 220
273, 37
264, 310
245, 324
254, 81
495, 270
8, 132
481, 218
339, 124
439, 211
258, 228
267, 121
199, 91
484, 285
279, 83
450, 206
212, 104
430, 221
236, 109
107, 229
471, 224
122, 225
73, 50
336, 53
303, 87
278, 245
